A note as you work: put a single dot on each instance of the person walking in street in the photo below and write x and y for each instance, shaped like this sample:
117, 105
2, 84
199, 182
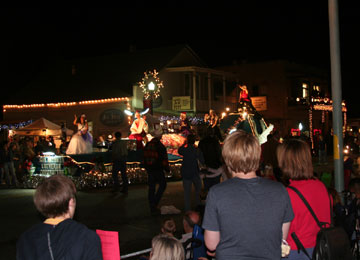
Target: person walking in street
155, 163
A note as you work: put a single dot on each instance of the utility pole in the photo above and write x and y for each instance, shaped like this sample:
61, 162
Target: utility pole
336, 95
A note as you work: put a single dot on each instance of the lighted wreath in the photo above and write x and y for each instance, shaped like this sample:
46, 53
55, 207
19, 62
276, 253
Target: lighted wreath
151, 84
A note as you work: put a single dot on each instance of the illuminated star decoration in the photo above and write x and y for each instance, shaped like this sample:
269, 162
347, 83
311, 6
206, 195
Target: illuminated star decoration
151, 76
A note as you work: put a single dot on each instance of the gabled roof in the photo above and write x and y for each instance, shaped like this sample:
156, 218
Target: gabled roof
103, 76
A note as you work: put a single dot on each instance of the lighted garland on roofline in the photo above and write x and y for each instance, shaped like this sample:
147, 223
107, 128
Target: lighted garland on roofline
148, 76
16, 126
68, 104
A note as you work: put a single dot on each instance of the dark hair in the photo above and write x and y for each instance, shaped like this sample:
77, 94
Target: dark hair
52, 196
191, 139
117, 135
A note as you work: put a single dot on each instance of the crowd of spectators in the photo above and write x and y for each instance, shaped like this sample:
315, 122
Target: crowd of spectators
248, 200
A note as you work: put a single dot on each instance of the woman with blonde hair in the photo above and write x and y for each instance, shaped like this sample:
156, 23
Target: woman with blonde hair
295, 161
165, 247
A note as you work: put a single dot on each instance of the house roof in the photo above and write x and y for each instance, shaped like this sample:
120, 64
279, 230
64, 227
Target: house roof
101, 76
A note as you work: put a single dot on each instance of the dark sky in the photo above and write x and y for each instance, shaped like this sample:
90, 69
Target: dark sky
298, 31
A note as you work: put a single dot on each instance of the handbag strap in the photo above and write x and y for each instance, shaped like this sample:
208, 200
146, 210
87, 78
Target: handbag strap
306, 204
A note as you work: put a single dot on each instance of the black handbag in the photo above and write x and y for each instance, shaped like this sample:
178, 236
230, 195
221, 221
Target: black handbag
331, 242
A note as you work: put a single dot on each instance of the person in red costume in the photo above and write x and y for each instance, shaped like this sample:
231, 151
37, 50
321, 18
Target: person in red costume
244, 99
244, 94
138, 129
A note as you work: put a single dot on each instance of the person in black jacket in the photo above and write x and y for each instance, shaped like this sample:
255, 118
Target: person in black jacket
211, 149
58, 237
156, 162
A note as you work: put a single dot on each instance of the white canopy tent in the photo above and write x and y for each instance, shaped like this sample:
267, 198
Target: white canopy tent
42, 127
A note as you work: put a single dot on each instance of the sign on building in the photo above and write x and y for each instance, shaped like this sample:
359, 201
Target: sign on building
259, 103
181, 103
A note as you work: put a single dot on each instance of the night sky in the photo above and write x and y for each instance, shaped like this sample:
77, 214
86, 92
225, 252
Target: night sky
298, 31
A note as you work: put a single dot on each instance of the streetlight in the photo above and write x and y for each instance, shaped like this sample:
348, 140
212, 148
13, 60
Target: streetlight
151, 86
151, 89
301, 126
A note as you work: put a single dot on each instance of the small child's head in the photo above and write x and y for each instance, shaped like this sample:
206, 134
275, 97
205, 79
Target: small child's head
168, 226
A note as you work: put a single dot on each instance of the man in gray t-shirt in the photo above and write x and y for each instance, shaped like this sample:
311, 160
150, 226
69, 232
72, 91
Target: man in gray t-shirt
246, 217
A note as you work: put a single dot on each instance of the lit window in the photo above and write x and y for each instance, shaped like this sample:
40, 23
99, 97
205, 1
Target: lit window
305, 90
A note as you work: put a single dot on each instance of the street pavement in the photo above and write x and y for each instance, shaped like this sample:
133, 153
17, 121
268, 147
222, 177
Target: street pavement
100, 209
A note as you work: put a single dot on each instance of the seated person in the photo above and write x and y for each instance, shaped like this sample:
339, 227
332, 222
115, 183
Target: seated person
58, 237
166, 247
191, 225
168, 227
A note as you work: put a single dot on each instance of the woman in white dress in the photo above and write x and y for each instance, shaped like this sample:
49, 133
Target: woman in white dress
81, 141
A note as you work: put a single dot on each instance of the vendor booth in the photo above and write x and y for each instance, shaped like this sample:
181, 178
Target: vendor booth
43, 127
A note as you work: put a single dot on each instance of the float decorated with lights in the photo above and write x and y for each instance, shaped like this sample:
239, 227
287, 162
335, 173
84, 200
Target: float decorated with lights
246, 118
88, 171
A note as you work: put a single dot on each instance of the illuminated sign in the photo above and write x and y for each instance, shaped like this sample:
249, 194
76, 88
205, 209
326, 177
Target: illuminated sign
181, 103
112, 117
259, 103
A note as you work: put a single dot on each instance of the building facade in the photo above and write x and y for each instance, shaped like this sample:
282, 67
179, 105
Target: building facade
285, 93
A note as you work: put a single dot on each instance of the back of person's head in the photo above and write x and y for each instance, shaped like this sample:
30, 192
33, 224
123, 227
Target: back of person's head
52, 196
294, 157
190, 219
241, 152
209, 132
168, 226
335, 195
118, 135
166, 247
354, 186
191, 139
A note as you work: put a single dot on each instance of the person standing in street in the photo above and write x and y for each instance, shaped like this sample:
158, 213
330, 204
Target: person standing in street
190, 170
8, 164
119, 158
155, 163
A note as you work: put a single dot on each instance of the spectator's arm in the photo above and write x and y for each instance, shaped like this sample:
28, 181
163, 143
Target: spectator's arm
212, 239
285, 230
